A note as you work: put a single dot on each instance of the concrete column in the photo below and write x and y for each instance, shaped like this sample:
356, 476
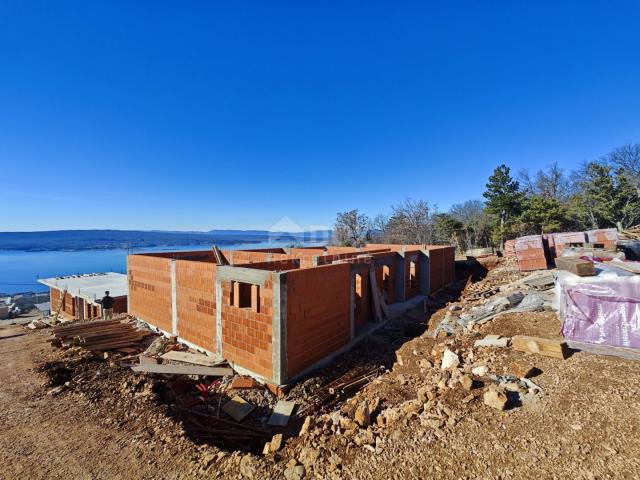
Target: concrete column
425, 272
255, 298
236, 293
352, 305
174, 299
279, 329
399, 278
218, 317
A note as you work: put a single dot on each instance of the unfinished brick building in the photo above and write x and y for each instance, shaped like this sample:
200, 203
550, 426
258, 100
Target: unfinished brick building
278, 313
77, 296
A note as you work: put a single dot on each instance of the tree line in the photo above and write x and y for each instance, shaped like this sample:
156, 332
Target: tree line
601, 193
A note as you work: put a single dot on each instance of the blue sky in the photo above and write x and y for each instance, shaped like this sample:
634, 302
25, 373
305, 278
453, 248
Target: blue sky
199, 115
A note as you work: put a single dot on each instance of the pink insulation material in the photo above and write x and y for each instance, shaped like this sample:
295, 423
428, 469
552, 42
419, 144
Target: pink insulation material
602, 310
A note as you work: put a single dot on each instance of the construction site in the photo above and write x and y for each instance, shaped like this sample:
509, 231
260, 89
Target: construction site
386, 361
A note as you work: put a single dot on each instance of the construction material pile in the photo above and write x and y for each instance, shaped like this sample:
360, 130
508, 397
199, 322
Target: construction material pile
99, 335
631, 233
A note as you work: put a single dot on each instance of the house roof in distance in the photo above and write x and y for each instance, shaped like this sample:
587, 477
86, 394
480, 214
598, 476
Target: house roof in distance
90, 286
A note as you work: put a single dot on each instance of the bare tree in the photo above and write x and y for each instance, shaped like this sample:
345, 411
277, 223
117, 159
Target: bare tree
410, 223
475, 223
352, 228
627, 160
380, 228
548, 183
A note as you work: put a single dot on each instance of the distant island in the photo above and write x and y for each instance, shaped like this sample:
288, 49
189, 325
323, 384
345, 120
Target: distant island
73, 240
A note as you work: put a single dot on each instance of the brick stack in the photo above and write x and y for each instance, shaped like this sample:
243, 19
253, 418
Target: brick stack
509, 248
607, 237
531, 253
561, 240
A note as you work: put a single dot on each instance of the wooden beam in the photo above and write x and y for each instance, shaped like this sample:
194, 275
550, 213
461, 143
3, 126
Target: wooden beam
542, 346
195, 358
183, 370
577, 266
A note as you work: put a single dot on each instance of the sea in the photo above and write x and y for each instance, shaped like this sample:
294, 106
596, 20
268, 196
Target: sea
19, 271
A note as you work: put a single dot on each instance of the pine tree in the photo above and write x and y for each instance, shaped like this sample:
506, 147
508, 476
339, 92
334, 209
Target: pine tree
504, 203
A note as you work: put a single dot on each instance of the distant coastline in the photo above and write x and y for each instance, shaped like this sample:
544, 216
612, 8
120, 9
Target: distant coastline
81, 240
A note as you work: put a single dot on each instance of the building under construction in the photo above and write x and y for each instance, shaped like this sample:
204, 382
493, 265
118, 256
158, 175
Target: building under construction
278, 313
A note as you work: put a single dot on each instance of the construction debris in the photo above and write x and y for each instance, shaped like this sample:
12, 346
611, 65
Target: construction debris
494, 398
237, 408
281, 413
243, 383
492, 341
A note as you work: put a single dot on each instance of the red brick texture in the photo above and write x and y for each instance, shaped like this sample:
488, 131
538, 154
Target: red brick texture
150, 289
441, 266
54, 299
318, 316
247, 334
196, 302
362, 312
530, 252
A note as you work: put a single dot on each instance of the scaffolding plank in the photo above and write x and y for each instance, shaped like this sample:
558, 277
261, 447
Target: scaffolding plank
183, 370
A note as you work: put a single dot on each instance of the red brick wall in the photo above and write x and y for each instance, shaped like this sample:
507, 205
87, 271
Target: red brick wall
239, 257
69, 306
120, 305
196, 302
274, 265
412, 290
436, 269
246, 334
54, 299
362, 313
318, 317
150, 289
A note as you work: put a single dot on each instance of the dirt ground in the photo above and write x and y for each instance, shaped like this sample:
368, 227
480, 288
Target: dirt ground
584, 423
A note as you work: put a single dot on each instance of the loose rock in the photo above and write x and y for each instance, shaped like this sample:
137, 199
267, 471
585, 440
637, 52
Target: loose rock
495, 399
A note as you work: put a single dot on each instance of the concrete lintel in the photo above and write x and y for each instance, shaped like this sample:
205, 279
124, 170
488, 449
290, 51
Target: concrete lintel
383, 261
279, 366
229, 273
174, 298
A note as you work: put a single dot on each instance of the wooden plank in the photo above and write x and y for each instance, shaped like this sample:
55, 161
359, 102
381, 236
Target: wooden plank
598, 349
633, 267
195, 358
281, 413
577, 266
373, 293
237, 408
184, 370
542, 346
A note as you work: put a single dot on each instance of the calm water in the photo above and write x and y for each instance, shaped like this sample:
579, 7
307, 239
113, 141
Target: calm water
20, 270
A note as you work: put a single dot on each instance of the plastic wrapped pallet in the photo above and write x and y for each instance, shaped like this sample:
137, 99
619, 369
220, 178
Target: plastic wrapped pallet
601, 310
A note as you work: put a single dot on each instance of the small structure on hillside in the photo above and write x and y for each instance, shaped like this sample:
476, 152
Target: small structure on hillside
77, 296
